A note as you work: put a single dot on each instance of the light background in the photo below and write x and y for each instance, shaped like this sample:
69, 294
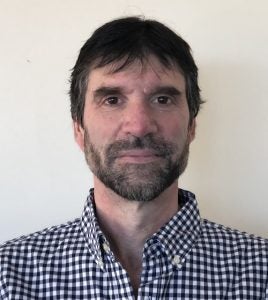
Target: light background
43, 177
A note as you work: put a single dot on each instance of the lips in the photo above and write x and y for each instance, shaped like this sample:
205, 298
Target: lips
138, 155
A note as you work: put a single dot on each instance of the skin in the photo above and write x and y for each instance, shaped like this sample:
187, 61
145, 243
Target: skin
136, 110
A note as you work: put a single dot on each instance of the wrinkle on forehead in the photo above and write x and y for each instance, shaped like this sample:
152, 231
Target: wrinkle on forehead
146, 76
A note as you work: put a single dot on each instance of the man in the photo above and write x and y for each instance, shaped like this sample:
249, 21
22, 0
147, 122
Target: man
134, 100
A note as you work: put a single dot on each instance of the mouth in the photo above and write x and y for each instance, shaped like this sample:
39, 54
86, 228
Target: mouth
138, 156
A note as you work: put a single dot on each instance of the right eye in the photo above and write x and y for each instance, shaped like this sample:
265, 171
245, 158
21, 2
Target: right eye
111, 101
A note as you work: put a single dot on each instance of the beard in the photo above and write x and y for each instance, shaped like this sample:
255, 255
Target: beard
133, 181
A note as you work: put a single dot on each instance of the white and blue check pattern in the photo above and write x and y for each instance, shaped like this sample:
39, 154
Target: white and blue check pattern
189, 258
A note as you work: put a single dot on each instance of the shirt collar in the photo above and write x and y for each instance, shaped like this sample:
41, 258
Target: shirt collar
176, 237
90, 227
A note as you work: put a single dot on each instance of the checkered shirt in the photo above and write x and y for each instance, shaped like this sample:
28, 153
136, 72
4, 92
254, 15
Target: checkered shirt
188, 258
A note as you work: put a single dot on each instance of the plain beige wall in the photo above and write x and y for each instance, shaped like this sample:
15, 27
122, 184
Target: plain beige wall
44, 179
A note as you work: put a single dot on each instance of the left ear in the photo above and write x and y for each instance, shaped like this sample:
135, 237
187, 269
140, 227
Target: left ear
191, 131
79, 134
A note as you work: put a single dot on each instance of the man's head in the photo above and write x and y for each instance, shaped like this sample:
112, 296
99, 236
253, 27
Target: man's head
124, 41
134, 98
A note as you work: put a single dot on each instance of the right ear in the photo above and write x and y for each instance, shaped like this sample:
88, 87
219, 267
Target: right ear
79, 134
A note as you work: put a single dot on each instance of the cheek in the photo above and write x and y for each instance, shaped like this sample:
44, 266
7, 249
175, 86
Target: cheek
101, 132
175, 129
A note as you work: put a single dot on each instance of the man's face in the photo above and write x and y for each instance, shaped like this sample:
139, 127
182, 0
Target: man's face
136, 131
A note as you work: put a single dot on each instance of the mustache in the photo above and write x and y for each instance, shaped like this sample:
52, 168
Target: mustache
158, 145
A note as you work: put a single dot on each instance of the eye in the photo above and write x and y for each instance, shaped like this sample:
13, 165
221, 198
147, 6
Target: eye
113, 100
163, 100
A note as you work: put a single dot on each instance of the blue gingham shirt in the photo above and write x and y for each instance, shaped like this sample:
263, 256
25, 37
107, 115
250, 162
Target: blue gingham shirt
188, 258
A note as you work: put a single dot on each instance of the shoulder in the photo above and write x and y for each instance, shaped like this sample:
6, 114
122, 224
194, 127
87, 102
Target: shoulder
230, 234
41, 243
234, 243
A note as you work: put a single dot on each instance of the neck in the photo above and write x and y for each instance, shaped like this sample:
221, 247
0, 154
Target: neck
128, 224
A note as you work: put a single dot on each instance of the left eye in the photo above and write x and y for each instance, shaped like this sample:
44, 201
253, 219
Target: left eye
162, 100
112, 100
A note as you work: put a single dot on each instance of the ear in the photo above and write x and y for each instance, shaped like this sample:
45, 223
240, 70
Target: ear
79, 134
192, 127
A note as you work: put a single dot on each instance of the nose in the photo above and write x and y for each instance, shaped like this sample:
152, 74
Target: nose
139, 120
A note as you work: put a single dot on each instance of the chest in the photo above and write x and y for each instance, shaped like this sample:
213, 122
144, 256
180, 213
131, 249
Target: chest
162, 277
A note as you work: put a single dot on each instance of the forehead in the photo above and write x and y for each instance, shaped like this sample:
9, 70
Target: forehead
149, 72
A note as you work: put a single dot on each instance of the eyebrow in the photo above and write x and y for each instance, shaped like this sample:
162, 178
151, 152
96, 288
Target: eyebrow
115, 90
107, 90
168, 90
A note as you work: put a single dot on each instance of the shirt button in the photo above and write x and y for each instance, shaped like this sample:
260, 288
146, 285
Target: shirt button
100, 263
176, 260
106, 248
